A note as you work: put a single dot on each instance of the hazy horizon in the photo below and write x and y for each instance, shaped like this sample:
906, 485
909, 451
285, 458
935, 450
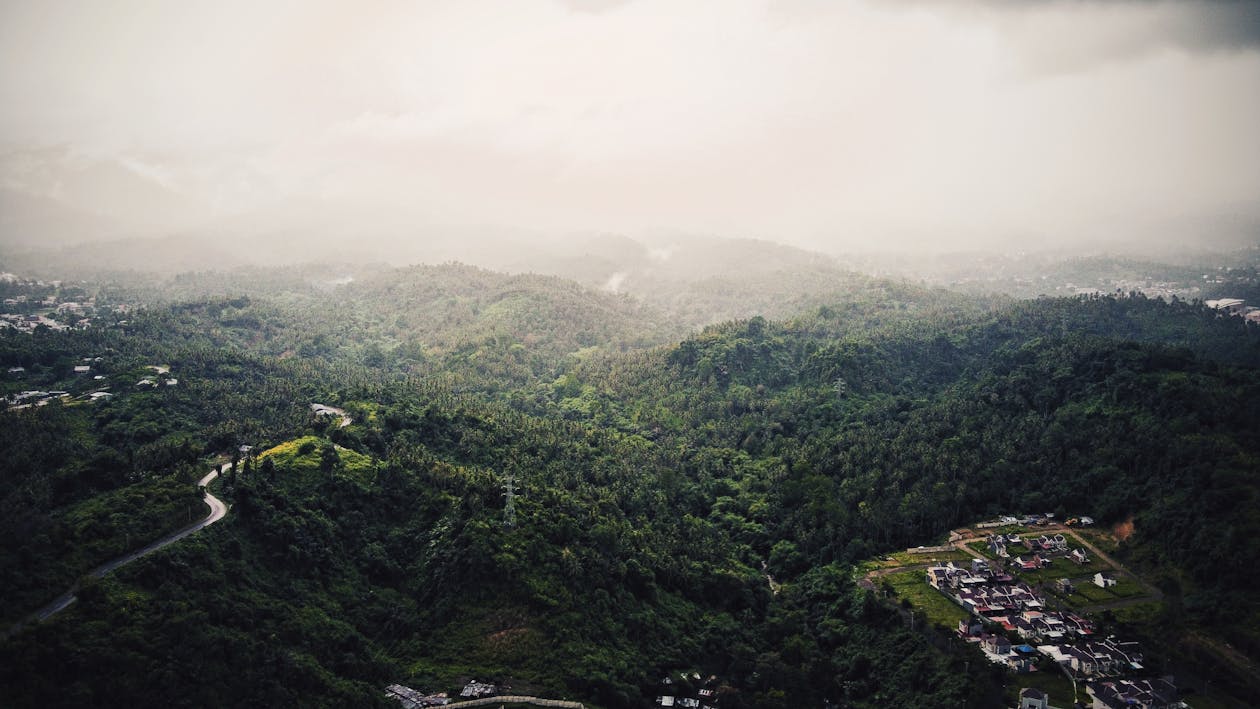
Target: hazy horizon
849, 126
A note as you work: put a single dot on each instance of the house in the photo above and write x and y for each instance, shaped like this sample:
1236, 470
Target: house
1102, 579
1030, 698
1118, 657
996, 645
475, 689
938, 577
411, 699
1077, 624
666, 701
1084, 662
82, 368
1231, 306
1087, 521
1065, 585
970, 628
1023, 658
1097, 658
1057, 543
1079, 556
1133, 694
1032, 563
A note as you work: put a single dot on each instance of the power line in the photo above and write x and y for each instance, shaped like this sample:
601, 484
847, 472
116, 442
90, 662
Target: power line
509, 509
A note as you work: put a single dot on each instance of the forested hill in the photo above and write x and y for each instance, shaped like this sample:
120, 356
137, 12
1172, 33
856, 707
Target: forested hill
659, 486
1116, 407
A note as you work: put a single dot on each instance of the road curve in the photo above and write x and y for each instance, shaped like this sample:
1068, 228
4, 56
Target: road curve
217, 511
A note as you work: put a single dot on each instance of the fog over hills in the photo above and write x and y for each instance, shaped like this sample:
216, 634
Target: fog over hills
840, 127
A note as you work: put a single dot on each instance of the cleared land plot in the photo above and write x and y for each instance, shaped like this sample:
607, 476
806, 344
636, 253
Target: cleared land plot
1145, 613
1085, 593
981, 546
905, 558
1062, 568
1100, 538
913, 587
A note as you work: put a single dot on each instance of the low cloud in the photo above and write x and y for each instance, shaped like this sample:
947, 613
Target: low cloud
829, 124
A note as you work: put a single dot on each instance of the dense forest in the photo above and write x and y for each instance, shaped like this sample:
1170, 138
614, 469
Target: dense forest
687, 502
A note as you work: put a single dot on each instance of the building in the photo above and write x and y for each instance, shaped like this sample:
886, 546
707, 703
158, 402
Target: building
1134, 694
1030, 698
1231, 306
411, 699
1103, 579
475, 689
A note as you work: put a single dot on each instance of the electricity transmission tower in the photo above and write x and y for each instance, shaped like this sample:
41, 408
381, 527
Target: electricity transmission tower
509, 509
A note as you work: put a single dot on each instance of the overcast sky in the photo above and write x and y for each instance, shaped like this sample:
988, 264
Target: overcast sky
838, 124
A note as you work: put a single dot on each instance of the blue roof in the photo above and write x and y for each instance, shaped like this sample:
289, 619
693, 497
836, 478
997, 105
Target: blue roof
1025, 648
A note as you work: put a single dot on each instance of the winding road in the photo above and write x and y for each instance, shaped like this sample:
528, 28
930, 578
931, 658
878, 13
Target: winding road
217, 511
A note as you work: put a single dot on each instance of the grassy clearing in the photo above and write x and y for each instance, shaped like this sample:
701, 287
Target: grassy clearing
1100, 538
1126, 588
305, 455
1088, 594
1139, 613
903, 558
981, 547
1061, 568
913, 587
1008, 529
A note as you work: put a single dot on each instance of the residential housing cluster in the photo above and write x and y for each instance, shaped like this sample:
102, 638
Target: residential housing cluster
1001, 606
1235, 306
29, 304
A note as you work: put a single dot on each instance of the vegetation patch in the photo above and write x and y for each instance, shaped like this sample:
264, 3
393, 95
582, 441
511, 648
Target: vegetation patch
912, 588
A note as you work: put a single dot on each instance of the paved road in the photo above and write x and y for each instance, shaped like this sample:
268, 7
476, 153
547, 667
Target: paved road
322, 409
217, 511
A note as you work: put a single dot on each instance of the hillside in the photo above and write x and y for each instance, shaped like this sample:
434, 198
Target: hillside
660, 484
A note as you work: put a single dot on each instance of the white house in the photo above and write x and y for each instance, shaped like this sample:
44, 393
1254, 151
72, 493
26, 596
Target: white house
1104, 580
1030, 698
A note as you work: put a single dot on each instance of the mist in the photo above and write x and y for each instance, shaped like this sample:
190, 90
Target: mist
834, 126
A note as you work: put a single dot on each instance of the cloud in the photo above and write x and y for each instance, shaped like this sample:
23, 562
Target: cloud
1053, 36
815, 121
593, 6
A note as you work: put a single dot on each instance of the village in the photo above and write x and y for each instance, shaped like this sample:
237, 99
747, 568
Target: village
83, 381
1024, 590
474, 694
27, 305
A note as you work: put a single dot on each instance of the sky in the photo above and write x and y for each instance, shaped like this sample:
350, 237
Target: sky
923, 124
